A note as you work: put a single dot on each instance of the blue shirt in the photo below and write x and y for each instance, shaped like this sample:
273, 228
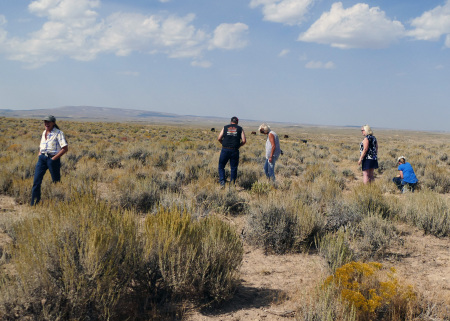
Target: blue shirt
408, 173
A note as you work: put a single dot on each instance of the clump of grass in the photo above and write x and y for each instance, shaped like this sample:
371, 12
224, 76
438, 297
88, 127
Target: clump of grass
281, 228
340, 213
75, 261
248, 177
141, 195
374, 292
436, 178
261, 188
325, 303
220, 201
368, 199
427, 210
372, 236
197, 259
335, 248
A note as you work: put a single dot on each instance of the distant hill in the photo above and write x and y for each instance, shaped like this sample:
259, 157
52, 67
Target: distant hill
91, 113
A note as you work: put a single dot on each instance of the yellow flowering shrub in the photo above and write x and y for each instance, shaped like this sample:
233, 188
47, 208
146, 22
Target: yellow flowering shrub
373, 290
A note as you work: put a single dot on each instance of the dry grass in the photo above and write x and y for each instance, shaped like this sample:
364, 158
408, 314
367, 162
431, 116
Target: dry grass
318, 204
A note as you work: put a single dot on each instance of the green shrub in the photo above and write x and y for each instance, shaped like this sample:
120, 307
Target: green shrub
196, 259
372, 236
261, 188
427, 210
248, 177
282, 228
324, 304
436, 178
220, 201
369, 198
335, 248
74, 261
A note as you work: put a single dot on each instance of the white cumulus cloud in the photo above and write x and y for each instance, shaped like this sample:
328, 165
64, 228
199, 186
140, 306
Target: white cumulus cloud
356, 27
284, 52
229, 36
433, 24
74, 29
320, 65
290, 12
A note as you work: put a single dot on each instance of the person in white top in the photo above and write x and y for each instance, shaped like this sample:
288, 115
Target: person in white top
53, 145
273, 150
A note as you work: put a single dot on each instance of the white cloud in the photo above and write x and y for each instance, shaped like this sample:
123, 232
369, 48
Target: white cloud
290, 12
320, 65
175, 36
284, 52
73, 29
229, 36
201, 64
78, 11
3, 32
431, 25
357, 27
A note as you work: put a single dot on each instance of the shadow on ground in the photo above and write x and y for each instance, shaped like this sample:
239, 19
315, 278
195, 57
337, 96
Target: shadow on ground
245, 298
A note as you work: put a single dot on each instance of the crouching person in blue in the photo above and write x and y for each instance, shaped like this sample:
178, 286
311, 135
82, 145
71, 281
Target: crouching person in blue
53, 146
406, 176
232, 137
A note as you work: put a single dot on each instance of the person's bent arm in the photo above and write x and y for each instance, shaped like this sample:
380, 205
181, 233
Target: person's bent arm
220, 138
243, 140
365, 149
61, 152
400, 174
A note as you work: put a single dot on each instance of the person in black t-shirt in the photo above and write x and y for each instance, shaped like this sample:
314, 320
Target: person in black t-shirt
232, 137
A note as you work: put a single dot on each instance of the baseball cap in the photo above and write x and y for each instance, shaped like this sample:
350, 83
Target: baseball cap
234, 119
50, 118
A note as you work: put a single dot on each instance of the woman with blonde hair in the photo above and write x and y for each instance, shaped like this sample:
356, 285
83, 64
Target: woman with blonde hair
273, 150
368, 154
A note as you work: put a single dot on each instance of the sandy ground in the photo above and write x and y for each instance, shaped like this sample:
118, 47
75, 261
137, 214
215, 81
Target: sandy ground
272, 285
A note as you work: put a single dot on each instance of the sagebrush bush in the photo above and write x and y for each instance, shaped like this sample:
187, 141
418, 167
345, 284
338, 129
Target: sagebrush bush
75, 261
196, 259
335, 248
372, 236
436, 178
428, 211
282, 227
323, 304
369, 199
226, 201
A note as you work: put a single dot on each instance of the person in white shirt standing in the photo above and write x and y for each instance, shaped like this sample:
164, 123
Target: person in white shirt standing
273, 151
53, 146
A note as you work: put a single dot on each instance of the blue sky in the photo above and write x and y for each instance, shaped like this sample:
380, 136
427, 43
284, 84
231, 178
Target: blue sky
381, 62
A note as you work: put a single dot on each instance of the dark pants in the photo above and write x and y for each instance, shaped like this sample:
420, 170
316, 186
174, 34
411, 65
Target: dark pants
44, 163
400, 184
226, 155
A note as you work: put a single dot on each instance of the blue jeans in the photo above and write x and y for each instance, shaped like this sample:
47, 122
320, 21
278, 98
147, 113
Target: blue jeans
269, 168
401, 183
44, 163
226, 155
